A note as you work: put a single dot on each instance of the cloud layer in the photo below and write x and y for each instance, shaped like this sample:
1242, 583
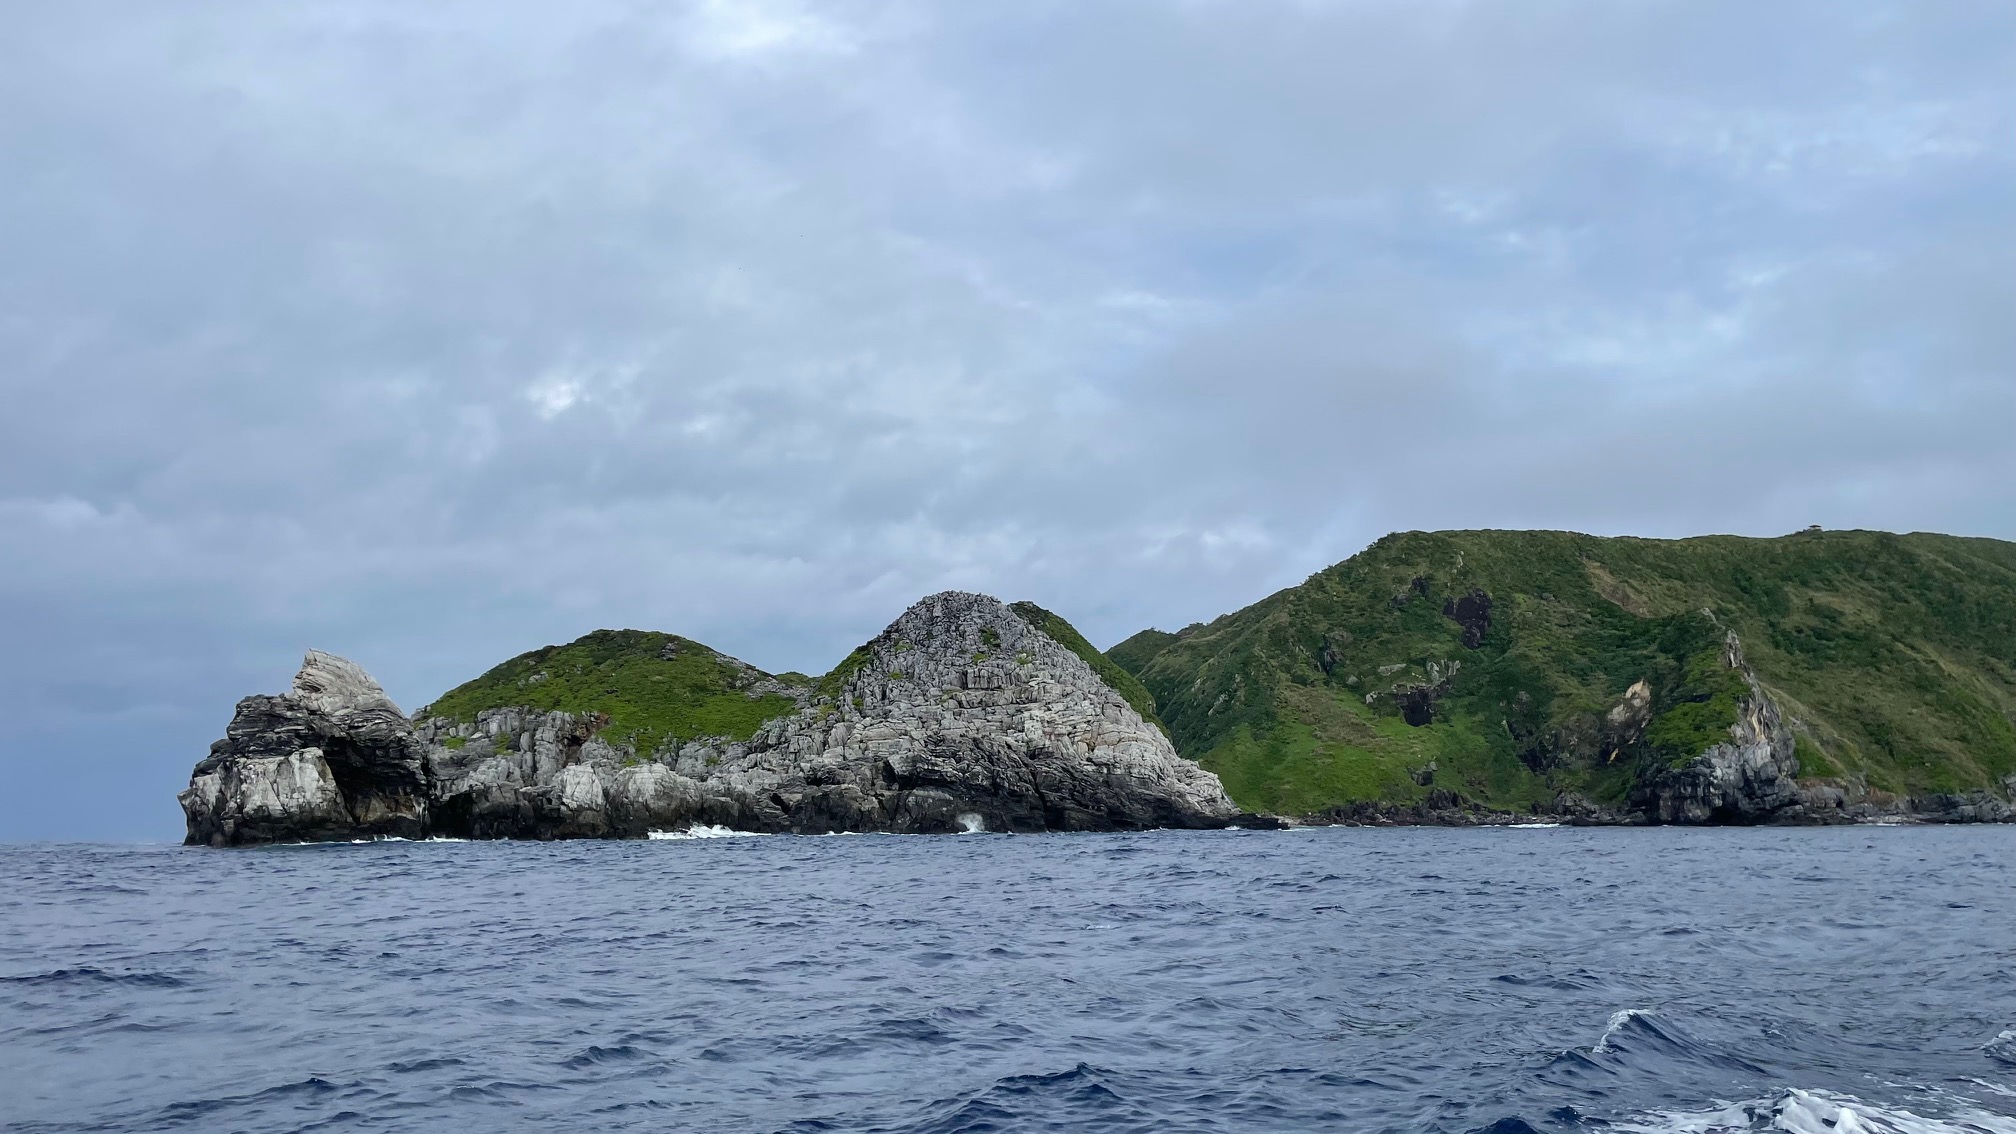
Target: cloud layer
430, 334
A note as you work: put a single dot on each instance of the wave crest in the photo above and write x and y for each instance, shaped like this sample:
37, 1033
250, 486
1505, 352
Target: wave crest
1814, 1112
704, 831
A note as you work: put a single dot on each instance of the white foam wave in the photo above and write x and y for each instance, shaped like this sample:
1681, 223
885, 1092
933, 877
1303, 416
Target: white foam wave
1531, 826
1617, 1022
2001, 1049
1285, 828
1814, 1112
373, 841
1996, 1088
703, 831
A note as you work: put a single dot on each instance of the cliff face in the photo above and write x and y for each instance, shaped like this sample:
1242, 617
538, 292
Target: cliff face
1750, 777
962, 715
1818, 677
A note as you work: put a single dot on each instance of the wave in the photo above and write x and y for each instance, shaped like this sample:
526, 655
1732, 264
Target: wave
1621, 1022
1813, 1112
1574, 981
87, 975
2002, 1049
594, 1054
1080, 1098
1639, 1041
703, 831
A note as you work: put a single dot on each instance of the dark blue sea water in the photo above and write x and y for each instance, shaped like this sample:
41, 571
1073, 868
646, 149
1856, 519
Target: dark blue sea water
1841, 980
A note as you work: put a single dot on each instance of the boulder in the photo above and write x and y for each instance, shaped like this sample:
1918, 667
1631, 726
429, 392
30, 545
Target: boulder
332, 758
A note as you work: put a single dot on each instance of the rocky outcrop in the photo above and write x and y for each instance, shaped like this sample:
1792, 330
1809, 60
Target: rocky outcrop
963, 714
1752, 777
1473, 613
960, 716
332, 758
1838, 803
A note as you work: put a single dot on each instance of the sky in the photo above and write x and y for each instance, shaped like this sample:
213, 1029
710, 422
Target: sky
432, 333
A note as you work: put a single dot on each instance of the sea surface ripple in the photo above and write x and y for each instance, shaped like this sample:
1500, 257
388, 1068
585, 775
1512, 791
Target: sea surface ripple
1828, 981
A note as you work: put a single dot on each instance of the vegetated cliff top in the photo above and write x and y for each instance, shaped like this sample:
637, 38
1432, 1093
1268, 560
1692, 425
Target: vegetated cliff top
1109, 671
1493, 661
653, 687
657, 688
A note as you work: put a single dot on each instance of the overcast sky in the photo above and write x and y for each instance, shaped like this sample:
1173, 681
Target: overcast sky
432, 333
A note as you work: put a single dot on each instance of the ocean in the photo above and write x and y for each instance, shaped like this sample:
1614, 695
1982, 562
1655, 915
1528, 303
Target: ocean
1837, 980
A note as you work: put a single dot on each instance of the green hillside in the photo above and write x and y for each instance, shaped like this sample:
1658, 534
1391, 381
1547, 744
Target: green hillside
1109, 671
657, 688
653, 687
1487, 663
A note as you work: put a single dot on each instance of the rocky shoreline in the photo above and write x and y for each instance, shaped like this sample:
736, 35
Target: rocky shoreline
1817, 808
963, 715
960, 716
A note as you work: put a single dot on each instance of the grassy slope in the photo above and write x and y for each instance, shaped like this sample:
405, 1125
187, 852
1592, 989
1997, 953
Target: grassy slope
1132, 655
1123, 682
1896, 655
649, 698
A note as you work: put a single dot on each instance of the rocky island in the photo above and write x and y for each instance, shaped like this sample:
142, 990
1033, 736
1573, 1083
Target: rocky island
963, 715
1436, 677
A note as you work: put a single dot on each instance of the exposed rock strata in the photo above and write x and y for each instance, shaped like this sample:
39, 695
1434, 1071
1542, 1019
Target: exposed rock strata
332, 758
960, 716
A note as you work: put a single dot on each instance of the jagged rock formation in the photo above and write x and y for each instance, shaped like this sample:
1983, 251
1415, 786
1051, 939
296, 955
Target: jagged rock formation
962, 715
332, 758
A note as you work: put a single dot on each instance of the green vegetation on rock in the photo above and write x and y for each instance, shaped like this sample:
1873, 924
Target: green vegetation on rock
1109, 671
1500, 666
831, 685
653, 688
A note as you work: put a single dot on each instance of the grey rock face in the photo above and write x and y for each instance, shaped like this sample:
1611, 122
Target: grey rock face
1753, 777
960, 716
332, 758
329, 684
1827, 803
